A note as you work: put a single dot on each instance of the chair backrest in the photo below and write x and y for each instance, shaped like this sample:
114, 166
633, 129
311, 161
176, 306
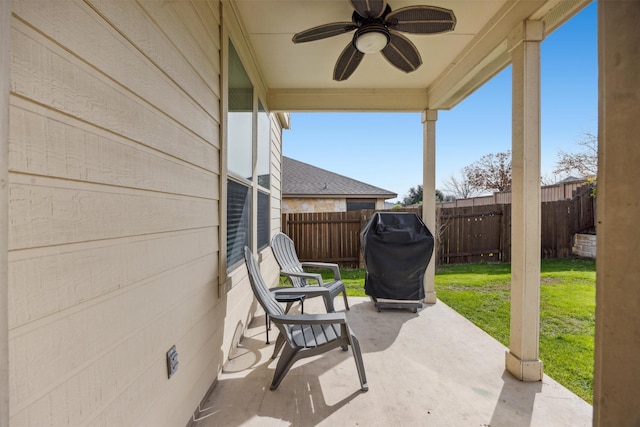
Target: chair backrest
285, 253
263, 295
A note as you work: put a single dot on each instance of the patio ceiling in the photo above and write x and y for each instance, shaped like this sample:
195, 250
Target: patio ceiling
298, 77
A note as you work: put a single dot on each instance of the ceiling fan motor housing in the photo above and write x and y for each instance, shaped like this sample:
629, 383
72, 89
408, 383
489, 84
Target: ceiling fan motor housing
371, 38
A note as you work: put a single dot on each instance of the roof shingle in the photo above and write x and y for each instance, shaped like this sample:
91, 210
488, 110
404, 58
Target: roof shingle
302, 179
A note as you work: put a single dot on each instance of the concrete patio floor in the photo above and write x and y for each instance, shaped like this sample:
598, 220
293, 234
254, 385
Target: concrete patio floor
431, 368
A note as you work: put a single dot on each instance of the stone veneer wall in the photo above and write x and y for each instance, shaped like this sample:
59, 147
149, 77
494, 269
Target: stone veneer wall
585, 245
313, 205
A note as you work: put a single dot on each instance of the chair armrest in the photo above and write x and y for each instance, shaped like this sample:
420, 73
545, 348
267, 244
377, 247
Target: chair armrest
309, 291
329, 266
309, 319
313, 276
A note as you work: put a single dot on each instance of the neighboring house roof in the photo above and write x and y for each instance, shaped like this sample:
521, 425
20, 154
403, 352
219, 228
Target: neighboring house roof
571, 178
303, 180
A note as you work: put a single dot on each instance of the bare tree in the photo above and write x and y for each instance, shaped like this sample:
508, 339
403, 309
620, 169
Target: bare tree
491, 173
443, 223
460, 188
548, 179
584, 163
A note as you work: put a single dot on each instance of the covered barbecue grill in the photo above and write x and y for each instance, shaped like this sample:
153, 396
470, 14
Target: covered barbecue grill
397, 247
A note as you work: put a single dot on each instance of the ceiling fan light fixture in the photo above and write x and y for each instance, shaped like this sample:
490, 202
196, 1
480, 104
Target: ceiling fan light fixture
372, 39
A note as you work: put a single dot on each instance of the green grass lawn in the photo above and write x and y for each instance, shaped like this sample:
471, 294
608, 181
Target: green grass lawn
480, 292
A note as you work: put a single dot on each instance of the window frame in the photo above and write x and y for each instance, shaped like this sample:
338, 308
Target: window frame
259, 213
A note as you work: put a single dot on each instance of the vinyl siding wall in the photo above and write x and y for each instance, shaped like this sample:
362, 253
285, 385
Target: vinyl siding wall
114, 212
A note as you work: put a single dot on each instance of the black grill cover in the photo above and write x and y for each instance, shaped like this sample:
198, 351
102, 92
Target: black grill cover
397, 247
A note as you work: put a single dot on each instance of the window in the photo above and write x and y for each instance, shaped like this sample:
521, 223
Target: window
238, 221
239, 119
358, 205
263, 220
248, 164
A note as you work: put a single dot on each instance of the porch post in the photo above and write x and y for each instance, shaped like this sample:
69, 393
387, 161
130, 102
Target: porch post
5, 68
429, 118
522, 359
617, 342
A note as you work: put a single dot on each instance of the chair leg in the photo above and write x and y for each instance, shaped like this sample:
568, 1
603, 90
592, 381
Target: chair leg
328, 302
357, 356
346, 302
267, 324
287, 359
277, 346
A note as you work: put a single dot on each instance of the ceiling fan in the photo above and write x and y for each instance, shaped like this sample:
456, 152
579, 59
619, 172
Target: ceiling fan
377, 29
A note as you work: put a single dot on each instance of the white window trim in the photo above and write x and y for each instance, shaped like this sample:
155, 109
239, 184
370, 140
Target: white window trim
229, 30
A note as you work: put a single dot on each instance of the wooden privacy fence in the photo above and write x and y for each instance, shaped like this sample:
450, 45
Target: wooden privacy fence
483, 233
473, 234
463, 234
325, 236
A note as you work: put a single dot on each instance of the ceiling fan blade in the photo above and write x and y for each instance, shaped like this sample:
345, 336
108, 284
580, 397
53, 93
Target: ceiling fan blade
347, 63
324, 31
369, 8
421, 20
402, 54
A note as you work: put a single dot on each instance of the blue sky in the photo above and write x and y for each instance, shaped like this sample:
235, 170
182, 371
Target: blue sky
385, 149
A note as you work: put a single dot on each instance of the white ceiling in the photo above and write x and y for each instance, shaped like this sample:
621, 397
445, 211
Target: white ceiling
298, 77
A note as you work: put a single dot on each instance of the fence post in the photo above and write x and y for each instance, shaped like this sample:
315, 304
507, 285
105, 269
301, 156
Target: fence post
506, 233
364, 216
283, 223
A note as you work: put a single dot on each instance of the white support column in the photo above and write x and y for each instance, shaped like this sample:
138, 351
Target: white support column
429, 118
5, 69
522, 359
617, 338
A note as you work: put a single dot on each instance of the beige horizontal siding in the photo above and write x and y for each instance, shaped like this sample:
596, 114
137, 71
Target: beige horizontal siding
44, 73
56, 279
133, 327
136, 42
114, 188
48, 143
52, 212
